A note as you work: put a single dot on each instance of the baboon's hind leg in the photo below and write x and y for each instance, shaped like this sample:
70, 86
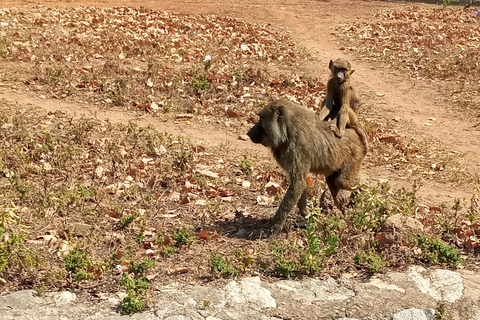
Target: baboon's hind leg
302, 204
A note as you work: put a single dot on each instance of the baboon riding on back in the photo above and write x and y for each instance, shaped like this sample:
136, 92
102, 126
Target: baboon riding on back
341, 102
302, 142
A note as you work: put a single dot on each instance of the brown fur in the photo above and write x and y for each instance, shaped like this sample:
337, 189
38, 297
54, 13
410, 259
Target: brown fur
301, 142
341, 102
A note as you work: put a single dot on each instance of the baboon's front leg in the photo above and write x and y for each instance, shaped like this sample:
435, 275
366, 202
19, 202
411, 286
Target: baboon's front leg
292, 196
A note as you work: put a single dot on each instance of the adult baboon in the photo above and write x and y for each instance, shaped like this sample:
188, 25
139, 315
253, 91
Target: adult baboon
341, 101
301, 142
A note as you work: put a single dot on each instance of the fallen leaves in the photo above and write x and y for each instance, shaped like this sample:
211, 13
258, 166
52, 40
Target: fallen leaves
468, 234
431, 43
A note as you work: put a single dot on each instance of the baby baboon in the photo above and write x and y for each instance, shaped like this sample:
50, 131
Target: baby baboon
341, 101
301, 143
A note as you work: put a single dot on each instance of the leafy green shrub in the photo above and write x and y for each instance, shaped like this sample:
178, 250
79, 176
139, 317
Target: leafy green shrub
183, 236
371, 260
132, 303
219, 265
135, 284
78, 264
436, 251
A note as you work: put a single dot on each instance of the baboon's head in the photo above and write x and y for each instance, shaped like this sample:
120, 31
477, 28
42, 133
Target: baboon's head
341, 69
270, 130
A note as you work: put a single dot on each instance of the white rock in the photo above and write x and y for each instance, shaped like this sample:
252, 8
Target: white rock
444, 285
249, 290
20, 299
65, 297
415, 314
190, 302
178, 318
375, 282
312, 290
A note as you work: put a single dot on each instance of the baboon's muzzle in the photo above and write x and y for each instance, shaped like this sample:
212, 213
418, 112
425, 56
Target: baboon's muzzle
255, 133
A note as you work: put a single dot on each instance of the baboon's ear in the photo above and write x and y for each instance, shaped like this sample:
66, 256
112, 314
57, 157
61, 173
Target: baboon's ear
330, 64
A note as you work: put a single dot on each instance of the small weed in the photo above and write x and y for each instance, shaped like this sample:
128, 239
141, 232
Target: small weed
15, 257
206, 303
441, 312
199, 80
132, 303
305, 255
163, 248
370, 211
182, 159
246, 167
143, 266
436, 251
135, 284
200, 84
126, 221
220, 266
42, 288
371, 260
312, 258
284, 266
446, 3
78, 263
183, 236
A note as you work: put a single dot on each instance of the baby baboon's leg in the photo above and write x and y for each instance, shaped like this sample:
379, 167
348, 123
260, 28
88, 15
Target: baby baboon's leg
342, 120
346, 119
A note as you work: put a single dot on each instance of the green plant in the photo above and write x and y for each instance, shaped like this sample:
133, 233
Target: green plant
371, 260
78, 263
219, 265
143, 266
15, 257
126, 221
164, 249
312, 258
441, 312
42, 288
283, 266
369, 211
201, 84
132, 303
183, 236
446, 3
135, 283
246, 166
199, 80
435, 251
